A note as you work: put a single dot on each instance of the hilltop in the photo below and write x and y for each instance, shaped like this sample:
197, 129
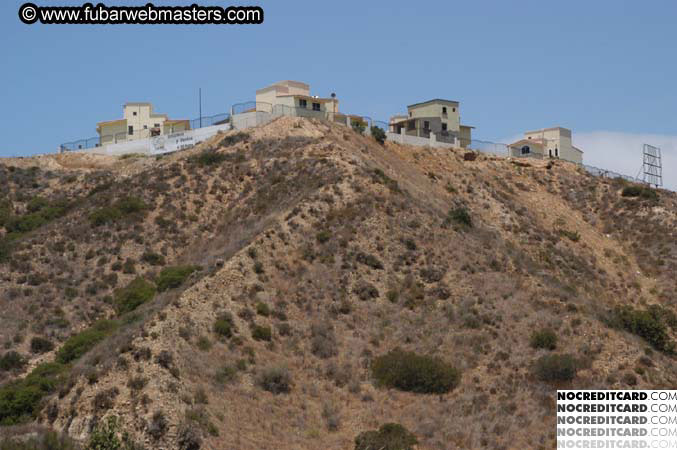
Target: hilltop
243, 293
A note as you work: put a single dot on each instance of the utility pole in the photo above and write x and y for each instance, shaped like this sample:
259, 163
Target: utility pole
200, 107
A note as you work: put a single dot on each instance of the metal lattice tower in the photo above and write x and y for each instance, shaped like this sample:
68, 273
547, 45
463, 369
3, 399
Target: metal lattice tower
653, 167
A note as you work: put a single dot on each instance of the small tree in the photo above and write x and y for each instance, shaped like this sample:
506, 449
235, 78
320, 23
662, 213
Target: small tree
358, 125
378, 134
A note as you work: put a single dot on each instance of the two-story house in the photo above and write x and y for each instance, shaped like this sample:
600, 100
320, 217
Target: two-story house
438, 116
138, 122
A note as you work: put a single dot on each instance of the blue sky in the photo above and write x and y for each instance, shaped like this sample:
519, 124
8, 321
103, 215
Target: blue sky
592, 66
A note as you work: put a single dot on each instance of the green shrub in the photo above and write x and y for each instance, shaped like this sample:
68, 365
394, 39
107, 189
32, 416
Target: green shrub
173, 277
130, 297
81, 343
459, 215
12, 361
323, 236
107, 435
556, 367
5, 211
644, 192
130, 205
573, 235
262, 333
380, 177
41, 214
104, 215
408, 371
126, 206
650, 324
226, 374
369, 260
545, 338
36, 204
224, 325
390, 436
152, 258
358, 125
275, 379
378, 134
5, 249
209, 158
262, 309
20, 400
41, 345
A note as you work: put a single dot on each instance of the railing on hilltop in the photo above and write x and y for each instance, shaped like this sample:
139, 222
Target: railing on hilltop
358, 122
98, 141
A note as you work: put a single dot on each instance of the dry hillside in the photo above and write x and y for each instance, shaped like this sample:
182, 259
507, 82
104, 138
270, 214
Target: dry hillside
250, 293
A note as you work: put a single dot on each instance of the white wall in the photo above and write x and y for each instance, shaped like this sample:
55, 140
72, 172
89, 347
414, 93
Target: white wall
160, 144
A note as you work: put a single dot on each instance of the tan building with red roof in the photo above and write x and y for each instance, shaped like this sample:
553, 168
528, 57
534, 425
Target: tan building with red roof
552, 142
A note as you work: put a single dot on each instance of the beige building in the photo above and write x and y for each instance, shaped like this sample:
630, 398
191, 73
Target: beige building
552, 142
138, 122
293, 94
438, 116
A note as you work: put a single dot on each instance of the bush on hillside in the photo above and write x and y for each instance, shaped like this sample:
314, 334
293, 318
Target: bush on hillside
42, 213
262, 333
224, 325
556, 367
544, 338
209, 158
408, 371
12, 361
650, 324
81, 343
41, 345
390, 436
125, 207
130, 297
358, 125
459, 215
20, 399
378, 134
173, 277
644, 192
275, 379
152, 258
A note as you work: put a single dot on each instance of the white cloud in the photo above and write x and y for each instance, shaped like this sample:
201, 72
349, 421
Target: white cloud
622, 152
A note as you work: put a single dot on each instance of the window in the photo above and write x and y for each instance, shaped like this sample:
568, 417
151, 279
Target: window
550, 152
130, 130
426, 125
303, 103
453, 109
556, 152
444, 110
525, 150
409, 113
134, 113
145, 127
316, 106
156, 125
444, 127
